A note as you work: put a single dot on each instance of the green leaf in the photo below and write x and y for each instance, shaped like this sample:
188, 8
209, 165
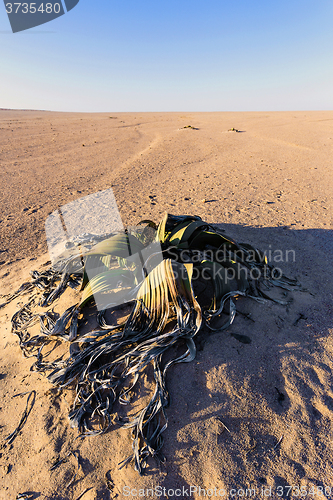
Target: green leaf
101, 283
120, 245
183, 232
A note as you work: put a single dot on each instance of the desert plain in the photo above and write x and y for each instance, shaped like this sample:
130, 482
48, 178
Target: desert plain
264, 177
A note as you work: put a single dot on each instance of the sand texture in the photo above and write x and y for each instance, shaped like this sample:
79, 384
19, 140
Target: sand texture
270, 184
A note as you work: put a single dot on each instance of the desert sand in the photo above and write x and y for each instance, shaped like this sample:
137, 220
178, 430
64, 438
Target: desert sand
270, 184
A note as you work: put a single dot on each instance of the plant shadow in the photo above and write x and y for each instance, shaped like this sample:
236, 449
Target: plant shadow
269, 366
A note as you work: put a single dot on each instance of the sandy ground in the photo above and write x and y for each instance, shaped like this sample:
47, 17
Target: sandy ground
270, 184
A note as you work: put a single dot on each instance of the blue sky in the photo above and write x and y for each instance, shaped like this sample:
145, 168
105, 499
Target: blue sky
217, 55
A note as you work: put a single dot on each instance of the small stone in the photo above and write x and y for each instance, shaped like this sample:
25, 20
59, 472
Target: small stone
204, 200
